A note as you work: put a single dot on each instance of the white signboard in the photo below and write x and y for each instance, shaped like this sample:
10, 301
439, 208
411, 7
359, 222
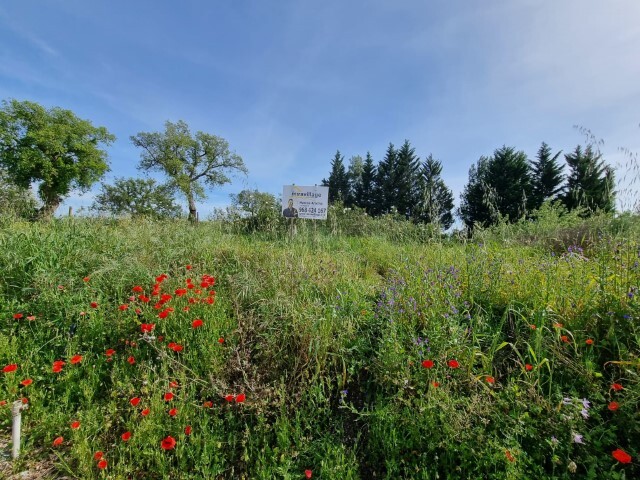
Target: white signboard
305, 202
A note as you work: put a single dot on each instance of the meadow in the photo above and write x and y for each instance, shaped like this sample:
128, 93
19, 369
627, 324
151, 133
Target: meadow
354, 349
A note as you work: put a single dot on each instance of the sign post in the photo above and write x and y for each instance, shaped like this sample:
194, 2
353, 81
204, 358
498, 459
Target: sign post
305, 202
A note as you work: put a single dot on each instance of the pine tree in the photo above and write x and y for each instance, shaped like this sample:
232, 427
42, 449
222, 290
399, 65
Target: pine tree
364, 193
436, 202
354, 177
407, 183
546, 176
590, 183
386, 190
478, 200
338, 182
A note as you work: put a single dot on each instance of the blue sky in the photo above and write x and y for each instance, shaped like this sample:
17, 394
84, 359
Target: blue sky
287, 83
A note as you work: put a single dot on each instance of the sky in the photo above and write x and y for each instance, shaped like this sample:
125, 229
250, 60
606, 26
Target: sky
287, 83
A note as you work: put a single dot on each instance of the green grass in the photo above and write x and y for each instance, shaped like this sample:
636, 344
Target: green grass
325, 333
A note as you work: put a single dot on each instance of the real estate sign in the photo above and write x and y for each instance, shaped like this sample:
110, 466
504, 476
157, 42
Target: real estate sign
305, 202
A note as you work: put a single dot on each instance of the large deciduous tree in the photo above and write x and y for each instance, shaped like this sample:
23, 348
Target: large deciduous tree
137, 197
51, 148
192, 162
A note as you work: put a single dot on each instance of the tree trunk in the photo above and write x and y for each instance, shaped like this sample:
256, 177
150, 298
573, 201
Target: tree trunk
193, 214
49, 208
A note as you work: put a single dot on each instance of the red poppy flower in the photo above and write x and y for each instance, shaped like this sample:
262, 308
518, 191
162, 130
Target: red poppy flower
58, 441
135, 401
75, 424
208, 404
173, 412
453, 364
180, 292
102, 464
173, 384
177, 348
24, 400
168, 443
221, 340
435, 384
617, 387
123, 307
56, 368
187, 430
76, 359
93, 304
98, 455
210, 300
131, 360
621, 456
185, 309
188, 267
532, 326
138, 289
147, 327
109, 352
427, 363
308, 473
26, 382
145, 412
528, 367
17, 316
589, 341
126, 436
197, 323
3, 403
229, 398
144, 299
168, 397
10, 368
564, 338
491, 380
557, 325
510, 457
241, 398
31, 318
613, 406
163, 314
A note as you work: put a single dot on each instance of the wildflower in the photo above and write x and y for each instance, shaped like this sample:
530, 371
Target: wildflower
621, 456
126, 436
221, 340
427, 363
453, 364
168, 397
98, 455
75, 359
135, 401
93, 304
613, 406
435, 384
564, 338
75, 424
57, 366
3, 403
58, 441
308, 473
145, 412
10, 368
586, 403
241, 398
208, 404
197, 323
617, 387
491, 380
17, 316
509, 456
229, 398
567, 401
26, 382
173, 412
532, 326
137, 289
173, 384
144, 299
123, 307
102, 464
554, 440
589, 341
187, 430
109, 352
131, 360
188, 267
584, 413
577, 438
168, 443
528, 367
147, 327
31, 318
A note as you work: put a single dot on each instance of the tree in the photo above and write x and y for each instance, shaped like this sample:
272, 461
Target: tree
338, 182
498, 186
407, 185
436, 202
364, 192
192, 162
53, 148
137, 197
590, 183
14, 200
259, 211
386, 182
354, 177
546, 176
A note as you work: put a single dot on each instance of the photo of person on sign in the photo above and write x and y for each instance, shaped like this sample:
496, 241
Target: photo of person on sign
290, 212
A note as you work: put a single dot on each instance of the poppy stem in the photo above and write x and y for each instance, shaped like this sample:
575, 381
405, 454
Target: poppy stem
16, 411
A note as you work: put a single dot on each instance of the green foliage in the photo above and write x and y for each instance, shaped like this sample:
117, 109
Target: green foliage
53, 148
137, 197
192, 162
590, 183
364, 190
436, 199
546, 177
259, 211
15, 201
338, 181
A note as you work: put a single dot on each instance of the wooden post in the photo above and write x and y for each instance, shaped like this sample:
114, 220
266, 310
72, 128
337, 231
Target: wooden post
71, 211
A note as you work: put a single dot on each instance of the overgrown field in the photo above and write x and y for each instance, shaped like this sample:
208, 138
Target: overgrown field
167, 350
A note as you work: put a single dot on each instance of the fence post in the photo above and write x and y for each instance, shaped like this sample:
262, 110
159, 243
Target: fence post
16, 412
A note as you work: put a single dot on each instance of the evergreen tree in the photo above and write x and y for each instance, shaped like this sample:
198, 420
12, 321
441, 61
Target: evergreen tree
436, 202
546, 176
407, 180
386, 194
364, 193
354, 176
498, 186
338, 182
590, 183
